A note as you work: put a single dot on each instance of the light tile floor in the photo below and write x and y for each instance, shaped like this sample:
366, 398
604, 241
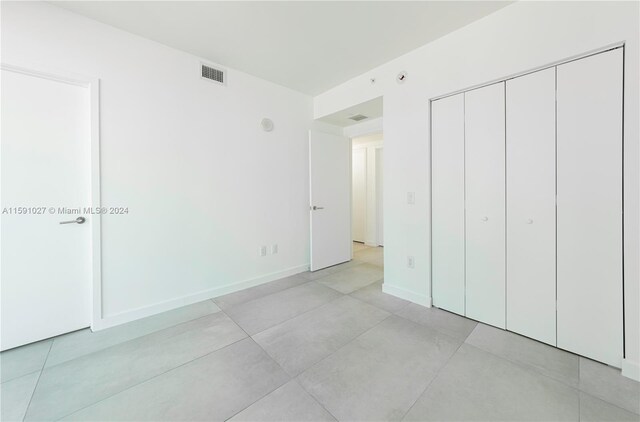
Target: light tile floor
319, 346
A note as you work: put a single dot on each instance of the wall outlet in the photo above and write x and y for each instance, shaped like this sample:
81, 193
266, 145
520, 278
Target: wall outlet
411, 262
274, 248
411, 198
263, 251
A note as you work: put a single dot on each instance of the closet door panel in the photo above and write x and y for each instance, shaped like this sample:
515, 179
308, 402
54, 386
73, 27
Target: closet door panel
447, 206
531, 205
485, 204
589, 153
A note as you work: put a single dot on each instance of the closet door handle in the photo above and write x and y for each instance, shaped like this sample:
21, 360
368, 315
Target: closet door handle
485, 219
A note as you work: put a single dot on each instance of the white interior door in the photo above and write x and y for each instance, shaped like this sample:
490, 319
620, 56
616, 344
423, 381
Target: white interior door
46, 266
330, 196
485, 204
447, 203
359, 194
590, 319
531, 205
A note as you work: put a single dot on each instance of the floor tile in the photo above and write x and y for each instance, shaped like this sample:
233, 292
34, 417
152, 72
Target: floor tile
15, 396
259, 314
609, 385
316, 275
550, 361
357, 246
23, 360
374, 295
212, 388
593, 409
289, 403
379, 375
70, 386
83, 342
378, 261
476, 385
302, 341
368, 254
256, 292
352, 279
443, 321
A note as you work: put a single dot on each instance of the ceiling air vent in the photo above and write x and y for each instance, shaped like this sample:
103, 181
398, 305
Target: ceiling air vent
357, 117
213, 74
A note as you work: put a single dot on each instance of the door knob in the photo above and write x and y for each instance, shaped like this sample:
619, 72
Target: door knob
78, 220
529, 221
485, 218
316, 208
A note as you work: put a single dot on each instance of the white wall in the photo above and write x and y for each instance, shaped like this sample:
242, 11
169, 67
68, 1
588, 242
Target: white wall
205, 186
520, 37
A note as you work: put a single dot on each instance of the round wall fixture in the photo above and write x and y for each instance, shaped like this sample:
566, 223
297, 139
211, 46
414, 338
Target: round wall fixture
402, 77
266, 124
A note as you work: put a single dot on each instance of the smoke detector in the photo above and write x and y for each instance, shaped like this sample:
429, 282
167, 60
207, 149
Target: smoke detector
266, 124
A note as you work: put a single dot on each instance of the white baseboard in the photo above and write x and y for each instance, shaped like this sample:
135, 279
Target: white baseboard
406, 295
631, 369
128, 316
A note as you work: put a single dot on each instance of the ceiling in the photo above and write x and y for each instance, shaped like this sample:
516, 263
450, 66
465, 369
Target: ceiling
309, 46
370, 109
368, 139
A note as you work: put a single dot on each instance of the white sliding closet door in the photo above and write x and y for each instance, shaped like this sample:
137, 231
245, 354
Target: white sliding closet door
447, 196
531, 205
485, 199
590, 207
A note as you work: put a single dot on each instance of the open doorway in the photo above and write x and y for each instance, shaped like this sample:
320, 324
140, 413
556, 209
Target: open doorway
345, 159
366, 197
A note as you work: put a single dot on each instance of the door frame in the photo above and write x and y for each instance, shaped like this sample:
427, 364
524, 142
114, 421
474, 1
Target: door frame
375, 148
93, 85
369, 127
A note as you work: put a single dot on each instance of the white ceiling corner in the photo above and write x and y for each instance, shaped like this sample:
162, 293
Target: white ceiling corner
308, 46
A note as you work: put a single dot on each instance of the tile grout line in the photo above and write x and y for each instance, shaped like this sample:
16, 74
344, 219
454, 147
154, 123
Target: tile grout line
316, 308
288, 319
579, 360
172, 325
431, 382
26, 410
308, 310
213, 351
295, 378
333, 353
270, 357
531, 369
595, 395
19, 376
526, 366
302, 278
438, 330
315, 399
306, 280
606, 402
149, 379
